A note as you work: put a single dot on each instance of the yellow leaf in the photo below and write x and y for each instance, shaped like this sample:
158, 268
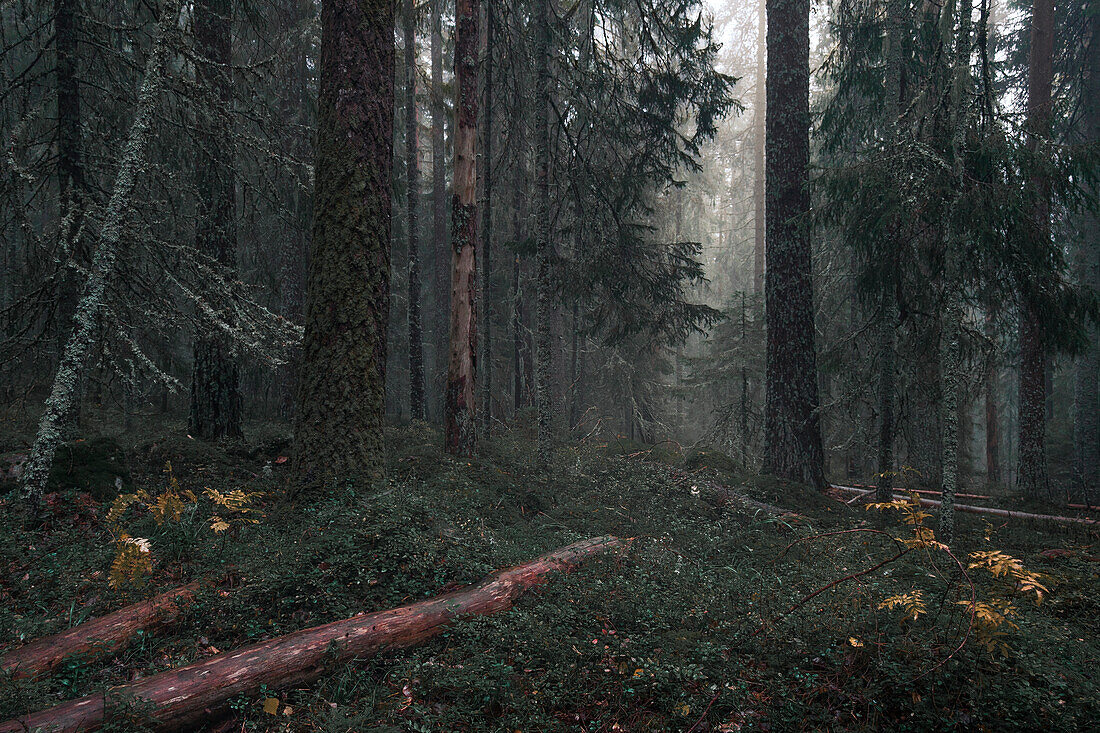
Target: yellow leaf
855, 642
271, 706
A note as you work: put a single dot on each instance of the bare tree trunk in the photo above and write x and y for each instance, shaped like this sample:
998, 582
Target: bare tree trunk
442, 253
1033, 479
412, 167
341, 396
543, 240
94, 295
792, 431
760, 100
215, 377
992, 421
487, 232
459, 407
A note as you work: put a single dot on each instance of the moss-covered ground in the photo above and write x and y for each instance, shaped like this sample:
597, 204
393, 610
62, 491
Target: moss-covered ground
687, 631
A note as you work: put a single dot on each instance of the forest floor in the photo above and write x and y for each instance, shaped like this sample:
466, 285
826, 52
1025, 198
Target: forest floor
687, 630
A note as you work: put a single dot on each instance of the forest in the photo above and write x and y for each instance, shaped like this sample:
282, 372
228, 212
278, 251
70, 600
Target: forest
549, 365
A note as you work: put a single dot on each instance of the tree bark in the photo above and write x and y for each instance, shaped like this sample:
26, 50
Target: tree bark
1033, 479
98, 636
792, 429
215, 377
544, 340
65, 392
183, 697
412, 167
341, 396
459, 406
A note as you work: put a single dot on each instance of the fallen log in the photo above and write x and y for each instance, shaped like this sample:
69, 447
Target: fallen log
930, 492
181, 697
986, 510
98, 636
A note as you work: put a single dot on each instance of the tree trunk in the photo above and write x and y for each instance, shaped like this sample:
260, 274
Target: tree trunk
459, 407
183, 697
98, 636
442, 253
988, 510
992, 423
486, 335
1086, 372
792, 433
1033, 470
215, 376
544, 341
341, 396
412, 167
758, 127
93, 298
950, 349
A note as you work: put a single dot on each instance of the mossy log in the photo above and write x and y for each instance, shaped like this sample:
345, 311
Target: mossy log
98, 636
181, 697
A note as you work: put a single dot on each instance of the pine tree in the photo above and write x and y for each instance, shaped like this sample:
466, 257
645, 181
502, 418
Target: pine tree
341, 396
459, 406
792, 432
215, 378
412, 163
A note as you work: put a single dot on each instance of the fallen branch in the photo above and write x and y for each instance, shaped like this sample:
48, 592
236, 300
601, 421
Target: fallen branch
183, 696
985, 510
98, 636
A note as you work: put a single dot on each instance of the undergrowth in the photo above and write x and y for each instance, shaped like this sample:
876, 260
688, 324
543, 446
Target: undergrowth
691, 629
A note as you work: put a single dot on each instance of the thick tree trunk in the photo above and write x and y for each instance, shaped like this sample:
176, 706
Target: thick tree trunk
440, 250
341, 396
459, 407
183, 697
70, 159
412, 167
992, 421
544, 340
215, 376
98, 636
1086, 372
93, 298
1033, 479
792, 429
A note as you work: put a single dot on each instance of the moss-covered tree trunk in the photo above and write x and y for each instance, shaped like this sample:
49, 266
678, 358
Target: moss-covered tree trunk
459, 408
215, 376
792, 429
341, 394
412, 168
82, 342
1033, 479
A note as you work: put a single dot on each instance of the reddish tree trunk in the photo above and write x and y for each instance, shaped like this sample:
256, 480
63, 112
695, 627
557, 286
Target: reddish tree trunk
101, 635
184, 696
459, 406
